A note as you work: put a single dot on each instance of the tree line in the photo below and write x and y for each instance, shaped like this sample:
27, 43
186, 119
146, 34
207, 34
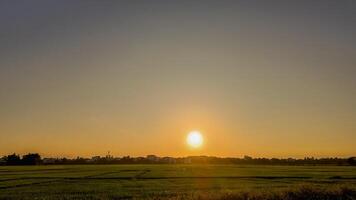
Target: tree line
28, 159
35, 159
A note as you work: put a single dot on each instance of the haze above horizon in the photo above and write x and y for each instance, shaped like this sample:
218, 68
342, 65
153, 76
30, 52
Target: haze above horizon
266, 79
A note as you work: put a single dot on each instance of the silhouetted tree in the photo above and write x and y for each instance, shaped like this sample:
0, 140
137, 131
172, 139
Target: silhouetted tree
351, 161
247, 157
13, 159
31, 159
35, 158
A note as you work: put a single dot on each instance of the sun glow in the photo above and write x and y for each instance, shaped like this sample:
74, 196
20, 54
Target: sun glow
195, 139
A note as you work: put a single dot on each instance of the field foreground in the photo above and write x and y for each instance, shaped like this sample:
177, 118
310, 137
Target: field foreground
177, 182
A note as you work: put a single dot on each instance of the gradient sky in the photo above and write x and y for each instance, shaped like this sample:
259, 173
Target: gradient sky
259, 78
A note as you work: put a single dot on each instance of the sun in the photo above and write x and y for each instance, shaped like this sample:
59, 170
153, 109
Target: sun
195, 139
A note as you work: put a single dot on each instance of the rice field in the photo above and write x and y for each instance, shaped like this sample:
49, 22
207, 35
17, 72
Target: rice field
165, 181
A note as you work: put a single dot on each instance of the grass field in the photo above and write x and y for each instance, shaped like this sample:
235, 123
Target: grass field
166, 181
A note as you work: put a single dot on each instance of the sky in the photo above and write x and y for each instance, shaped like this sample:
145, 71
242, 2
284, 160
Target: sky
258, 78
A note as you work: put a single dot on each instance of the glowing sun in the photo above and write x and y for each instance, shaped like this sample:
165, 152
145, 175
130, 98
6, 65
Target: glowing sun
194, 139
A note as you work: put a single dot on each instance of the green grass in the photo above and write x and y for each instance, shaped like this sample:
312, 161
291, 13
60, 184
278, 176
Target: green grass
175, 182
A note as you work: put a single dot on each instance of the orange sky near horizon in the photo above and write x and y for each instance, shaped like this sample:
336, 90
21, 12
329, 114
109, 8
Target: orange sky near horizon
271, 79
